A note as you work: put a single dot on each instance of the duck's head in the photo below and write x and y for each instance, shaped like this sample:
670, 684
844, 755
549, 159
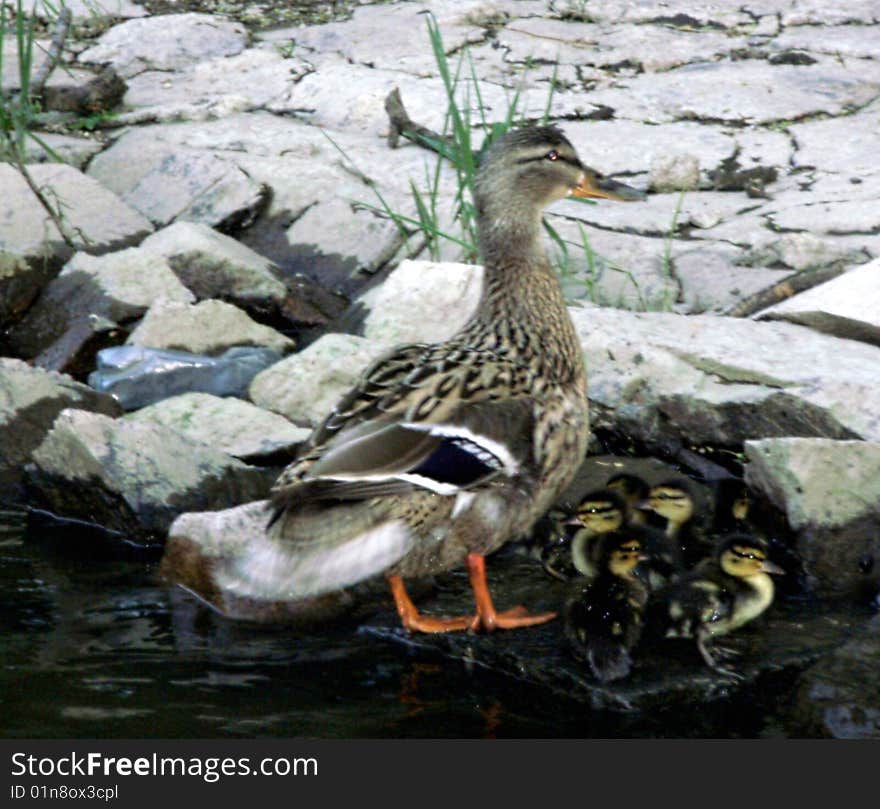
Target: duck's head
672, 500
601, 511
742, 555
621, 554
631, 488
530, 167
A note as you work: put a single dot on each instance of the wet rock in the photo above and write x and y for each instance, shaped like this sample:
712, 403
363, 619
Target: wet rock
828, 491
137, 376
118, 287
720, 380
847, 306
30, 399
213, 265
230, 425
167, 184
133, 477
305, 386
207, 327
746, 92
840, 695
166, 42
31, 247
674, 172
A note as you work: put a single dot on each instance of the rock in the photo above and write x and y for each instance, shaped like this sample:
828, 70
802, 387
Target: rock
213, 265
31, 248
828, 491
704, 379
207, 327
75, 151
87, 95
167, 184
844, 41
199, 543
30, 399
228, 424
133, 477
253, 79
137, 376
815, 12
847, 306
89, 9
838, 697
119, 287
846, 145
748, 92
799, 251
166, 42
419, 302
670, 12
305, 386
675, 172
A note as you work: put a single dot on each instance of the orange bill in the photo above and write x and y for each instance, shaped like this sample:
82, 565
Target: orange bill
594, 185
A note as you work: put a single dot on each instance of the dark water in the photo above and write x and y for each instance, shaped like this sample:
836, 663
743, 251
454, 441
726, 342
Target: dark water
93, 644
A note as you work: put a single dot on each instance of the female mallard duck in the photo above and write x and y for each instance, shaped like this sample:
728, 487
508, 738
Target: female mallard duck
443, 452
721, 594
603, 616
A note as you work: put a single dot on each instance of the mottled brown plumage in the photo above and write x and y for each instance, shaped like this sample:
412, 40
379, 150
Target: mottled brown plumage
444, 452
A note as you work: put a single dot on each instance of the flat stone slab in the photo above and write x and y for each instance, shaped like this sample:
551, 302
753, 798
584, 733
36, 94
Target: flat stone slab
72, 150
846, 41
305, 386
213, 265
843, 145
30, 399
118, 287
748, 92
847, 306
705, 379
207, 327
88, 9
167, 184
134, 477
230, 425
166, 42
828, 491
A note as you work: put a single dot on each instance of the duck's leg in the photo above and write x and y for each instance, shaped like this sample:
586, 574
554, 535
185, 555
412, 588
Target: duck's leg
413, 620
487, 618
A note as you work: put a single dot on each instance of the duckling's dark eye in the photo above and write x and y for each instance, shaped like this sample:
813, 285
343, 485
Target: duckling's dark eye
552, 155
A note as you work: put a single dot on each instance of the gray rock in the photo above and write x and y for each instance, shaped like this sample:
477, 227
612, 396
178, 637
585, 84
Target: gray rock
673, 12
675, 172
89, 9
305, 386
133, 477
32, 249
137, 376
847, 306
72, 150
846, 145
213, 265
30, 399
230, 425
119, 287
166, 42
169, 183
844, 41
828, 491
799, 251
839, 696
746, 92
252, 79
816, 12
207, 327
704, 379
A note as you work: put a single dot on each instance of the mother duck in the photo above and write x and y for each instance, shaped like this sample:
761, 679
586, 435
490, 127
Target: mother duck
443, 452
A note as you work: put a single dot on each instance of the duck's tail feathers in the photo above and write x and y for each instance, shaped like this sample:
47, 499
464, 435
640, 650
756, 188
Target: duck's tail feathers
275, 569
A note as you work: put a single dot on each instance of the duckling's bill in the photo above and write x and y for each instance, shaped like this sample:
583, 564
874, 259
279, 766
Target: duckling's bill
596, 186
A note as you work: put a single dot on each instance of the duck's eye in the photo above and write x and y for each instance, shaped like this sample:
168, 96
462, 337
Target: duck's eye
552, 155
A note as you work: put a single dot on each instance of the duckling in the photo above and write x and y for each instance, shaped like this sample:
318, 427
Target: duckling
673, 501
442, 453
721, 594
732, 505
603, 616
634, 491
598, 513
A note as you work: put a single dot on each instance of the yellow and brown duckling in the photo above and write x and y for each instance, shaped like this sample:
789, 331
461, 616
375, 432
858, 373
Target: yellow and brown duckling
634, 490
598, 513
733, 503
441, 453
721, 594
603, 616
674, 502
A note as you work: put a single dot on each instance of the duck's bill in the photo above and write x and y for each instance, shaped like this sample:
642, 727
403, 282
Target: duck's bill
771, 567
595, 186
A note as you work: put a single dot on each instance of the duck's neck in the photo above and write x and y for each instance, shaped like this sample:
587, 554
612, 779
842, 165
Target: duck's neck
522, 311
